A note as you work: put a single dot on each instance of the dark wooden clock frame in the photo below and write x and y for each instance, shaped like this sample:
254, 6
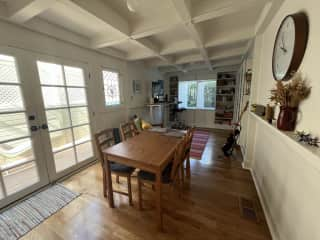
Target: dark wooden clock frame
301, 38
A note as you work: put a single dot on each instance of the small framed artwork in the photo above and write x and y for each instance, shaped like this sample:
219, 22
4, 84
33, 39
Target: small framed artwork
248, 79
136, 85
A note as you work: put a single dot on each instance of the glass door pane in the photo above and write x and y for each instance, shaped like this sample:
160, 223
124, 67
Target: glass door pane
18, 166
65, 100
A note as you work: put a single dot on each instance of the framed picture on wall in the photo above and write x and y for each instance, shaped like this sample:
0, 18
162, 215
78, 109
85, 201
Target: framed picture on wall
248, 79
136, 85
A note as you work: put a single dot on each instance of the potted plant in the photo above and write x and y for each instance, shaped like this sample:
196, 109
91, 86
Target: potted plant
289, 97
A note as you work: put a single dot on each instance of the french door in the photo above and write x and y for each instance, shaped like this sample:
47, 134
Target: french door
22, 169
45, 130
67, 117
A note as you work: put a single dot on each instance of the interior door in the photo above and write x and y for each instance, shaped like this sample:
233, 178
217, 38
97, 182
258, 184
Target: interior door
64, 94
22, 169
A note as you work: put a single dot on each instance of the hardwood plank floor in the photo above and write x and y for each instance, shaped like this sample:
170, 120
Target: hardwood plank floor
209, 208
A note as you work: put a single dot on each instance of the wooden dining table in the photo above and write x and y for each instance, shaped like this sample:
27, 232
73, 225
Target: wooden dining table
148, 151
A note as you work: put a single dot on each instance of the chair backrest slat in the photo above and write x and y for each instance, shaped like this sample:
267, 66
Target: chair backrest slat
189, 137
128, 130
103, 140
178, 158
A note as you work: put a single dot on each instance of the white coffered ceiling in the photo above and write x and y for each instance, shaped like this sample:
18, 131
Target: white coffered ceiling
169, 34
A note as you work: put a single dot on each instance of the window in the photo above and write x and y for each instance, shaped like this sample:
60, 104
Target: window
111, 88
199, 94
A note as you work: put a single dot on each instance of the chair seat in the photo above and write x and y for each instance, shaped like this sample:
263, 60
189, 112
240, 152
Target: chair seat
120, 168
144, 175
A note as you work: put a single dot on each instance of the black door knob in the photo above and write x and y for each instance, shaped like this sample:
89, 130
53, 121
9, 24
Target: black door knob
34, 128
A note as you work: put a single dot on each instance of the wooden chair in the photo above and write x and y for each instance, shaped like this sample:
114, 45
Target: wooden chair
170, 175
103, 140
186, 157
128, 130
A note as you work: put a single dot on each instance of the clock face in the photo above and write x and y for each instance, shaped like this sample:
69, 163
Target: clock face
284, 48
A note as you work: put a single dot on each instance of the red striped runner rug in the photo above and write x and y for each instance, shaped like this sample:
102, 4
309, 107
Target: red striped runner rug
199, 141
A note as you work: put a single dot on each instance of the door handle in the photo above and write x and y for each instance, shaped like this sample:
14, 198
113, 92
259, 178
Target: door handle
44, 126
31, 117
34, 128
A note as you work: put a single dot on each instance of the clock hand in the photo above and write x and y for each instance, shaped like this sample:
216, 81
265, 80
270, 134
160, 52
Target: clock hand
283, 49
283, 46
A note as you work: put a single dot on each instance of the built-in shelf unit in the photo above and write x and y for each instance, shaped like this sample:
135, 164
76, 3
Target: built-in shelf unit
225, 97
173, 97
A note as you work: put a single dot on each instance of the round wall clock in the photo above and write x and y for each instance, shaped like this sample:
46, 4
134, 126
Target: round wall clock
290, 46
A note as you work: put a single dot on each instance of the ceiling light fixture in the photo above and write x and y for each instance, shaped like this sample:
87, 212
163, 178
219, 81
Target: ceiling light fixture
132, 5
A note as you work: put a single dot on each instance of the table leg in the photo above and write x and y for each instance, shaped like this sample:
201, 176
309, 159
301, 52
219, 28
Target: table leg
109, 181
158, 201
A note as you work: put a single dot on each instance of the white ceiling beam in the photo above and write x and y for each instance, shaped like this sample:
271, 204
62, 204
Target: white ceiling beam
156, 62
148, 45
196, 35
105, 41
214, 56
178, 47
269, 11
156, 51
21, 11
169, 61
136, 56
189, 58
113, 20
54, 31
232, 64
225, 8
183, 9
150, 32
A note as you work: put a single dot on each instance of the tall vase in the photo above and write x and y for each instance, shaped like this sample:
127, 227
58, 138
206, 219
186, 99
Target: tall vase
287, 118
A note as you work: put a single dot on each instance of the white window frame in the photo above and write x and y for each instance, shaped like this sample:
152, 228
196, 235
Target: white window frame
197, 108
113, 106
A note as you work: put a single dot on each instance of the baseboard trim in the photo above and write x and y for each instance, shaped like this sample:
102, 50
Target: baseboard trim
273, 231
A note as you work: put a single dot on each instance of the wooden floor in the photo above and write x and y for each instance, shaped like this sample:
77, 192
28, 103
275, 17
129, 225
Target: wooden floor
210, 208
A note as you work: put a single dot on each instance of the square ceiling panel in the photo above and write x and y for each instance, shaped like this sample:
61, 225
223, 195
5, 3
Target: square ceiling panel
173, 34
192, 55
173, 40
149, 14
133, 50
236, 22
76, 21
204, 6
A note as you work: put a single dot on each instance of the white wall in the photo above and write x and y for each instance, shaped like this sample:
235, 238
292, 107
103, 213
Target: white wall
199, 118
138, 103
31, 45
287, 174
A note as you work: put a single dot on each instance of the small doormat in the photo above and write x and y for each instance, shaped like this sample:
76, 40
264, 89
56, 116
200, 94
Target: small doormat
23, 217
199, 141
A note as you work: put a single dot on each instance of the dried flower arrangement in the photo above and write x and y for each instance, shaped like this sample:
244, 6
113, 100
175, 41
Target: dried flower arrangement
291, 94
